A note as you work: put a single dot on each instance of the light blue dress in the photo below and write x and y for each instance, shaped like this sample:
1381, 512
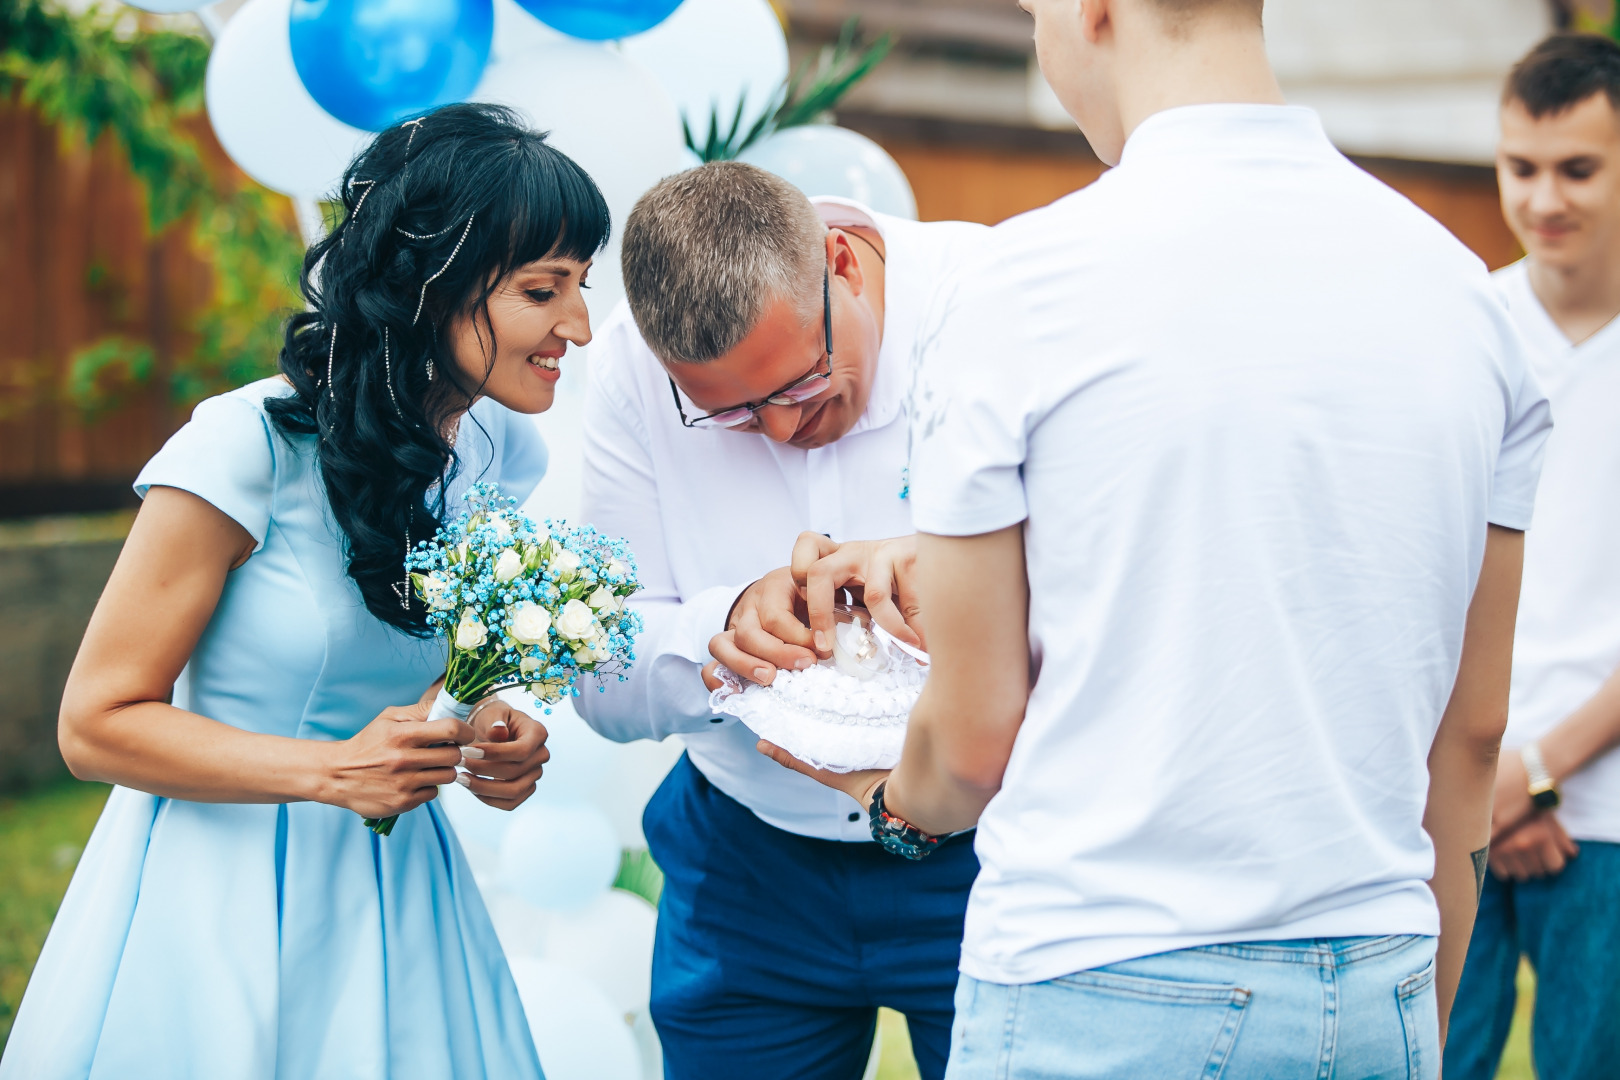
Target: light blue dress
251, 942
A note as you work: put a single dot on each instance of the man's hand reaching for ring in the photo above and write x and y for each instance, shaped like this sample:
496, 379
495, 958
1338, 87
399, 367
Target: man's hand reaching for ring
880, 572
766, 631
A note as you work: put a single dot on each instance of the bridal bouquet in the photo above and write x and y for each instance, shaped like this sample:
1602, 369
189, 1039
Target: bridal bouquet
521, 605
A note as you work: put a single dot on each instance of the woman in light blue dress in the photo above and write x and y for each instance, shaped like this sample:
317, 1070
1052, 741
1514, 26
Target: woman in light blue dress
232, 918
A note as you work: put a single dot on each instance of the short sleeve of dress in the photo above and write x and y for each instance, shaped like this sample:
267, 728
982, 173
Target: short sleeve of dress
224, 455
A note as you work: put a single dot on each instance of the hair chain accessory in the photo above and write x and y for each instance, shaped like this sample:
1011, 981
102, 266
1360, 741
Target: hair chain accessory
422, 299
331, 351
415, 126
430, 368
388, 365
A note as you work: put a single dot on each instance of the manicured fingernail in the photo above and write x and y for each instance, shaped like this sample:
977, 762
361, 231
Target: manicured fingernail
821, 641
472, 752
762, 675
802, 662
464, 779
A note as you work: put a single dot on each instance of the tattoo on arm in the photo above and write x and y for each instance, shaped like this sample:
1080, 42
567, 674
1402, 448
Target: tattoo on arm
1480, 859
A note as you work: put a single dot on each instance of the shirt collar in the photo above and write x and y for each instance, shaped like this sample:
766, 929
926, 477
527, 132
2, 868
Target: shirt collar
1228, 130
900, 306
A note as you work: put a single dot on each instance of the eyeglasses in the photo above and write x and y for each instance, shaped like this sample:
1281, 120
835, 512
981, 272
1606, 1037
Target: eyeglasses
795, 393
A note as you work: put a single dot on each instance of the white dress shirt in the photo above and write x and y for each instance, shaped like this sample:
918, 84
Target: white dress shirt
1567, 643
1255, 411
708, 512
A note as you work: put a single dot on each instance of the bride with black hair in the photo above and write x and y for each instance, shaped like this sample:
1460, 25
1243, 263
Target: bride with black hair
231, 915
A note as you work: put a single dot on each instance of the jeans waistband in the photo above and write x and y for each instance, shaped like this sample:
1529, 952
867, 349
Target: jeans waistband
1327, 952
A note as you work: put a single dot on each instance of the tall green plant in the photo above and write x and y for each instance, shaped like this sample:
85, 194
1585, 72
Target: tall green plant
101, 71
836, 70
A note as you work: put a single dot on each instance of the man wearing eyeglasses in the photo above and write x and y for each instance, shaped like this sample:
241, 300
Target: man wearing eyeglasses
755, 390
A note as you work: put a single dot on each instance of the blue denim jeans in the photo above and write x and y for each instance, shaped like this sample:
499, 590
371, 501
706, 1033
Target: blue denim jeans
1569, 927
1342, 1009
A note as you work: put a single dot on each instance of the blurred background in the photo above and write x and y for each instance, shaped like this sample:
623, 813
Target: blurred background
162, 170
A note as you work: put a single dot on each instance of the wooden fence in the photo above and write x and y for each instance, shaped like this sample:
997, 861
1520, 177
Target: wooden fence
77, 263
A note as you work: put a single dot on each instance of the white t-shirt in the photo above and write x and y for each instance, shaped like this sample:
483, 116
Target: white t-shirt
1255, 410
1568, 639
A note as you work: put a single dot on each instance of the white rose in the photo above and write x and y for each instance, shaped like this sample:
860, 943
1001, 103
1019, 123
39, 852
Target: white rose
508, 565
594, 651
530, 623
461, 552
618, 568
565, 565
502, 527
577, 622
604, 601
436, 591
470, 633
530, 665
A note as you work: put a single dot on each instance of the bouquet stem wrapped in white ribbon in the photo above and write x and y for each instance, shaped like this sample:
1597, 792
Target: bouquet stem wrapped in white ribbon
521, 605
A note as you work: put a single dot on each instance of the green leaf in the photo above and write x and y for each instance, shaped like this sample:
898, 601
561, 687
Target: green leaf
837, 70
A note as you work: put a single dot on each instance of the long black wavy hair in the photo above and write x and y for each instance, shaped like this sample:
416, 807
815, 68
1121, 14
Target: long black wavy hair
455, 200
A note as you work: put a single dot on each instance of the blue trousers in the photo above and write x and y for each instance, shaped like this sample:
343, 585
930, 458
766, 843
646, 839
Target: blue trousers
775, 950
1333, 1009
1568, 926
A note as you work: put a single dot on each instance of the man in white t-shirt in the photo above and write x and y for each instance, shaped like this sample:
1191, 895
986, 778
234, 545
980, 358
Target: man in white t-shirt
1554, 892
1214, 460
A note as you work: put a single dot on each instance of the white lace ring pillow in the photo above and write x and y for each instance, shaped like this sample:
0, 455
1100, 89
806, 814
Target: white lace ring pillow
843, 714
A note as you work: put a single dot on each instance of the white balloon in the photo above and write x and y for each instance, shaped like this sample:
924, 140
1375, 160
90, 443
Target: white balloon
560, 857
711, 53
520, 927
580, 758
820, 159
516, 31
633, 775
265, 119
168, 7
610, 941
478, 825
577, 1030
608, 114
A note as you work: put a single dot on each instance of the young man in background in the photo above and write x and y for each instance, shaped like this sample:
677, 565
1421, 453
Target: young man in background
1554, 890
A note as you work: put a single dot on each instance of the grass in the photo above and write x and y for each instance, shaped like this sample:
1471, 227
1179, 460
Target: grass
43, 833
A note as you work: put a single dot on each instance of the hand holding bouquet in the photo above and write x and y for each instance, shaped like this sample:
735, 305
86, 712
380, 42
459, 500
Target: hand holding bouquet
521, 605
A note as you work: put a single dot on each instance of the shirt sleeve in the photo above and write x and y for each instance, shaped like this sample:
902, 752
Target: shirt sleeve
225, 455
970, 414
664, 693
1524, 438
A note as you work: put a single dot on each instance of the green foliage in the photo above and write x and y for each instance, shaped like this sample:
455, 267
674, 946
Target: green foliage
836, 70
640, 875
102, 72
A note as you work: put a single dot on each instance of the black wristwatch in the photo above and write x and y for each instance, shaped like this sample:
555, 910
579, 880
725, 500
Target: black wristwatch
896, 834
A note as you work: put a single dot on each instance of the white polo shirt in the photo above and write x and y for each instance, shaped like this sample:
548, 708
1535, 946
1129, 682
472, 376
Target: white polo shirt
708, 512
1567, 643
1254, 410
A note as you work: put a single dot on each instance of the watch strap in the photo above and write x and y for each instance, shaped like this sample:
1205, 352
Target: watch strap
895, 833
1543, 789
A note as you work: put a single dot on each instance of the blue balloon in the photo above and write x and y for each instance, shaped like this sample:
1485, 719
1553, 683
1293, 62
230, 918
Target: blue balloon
372, 63
600, 20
